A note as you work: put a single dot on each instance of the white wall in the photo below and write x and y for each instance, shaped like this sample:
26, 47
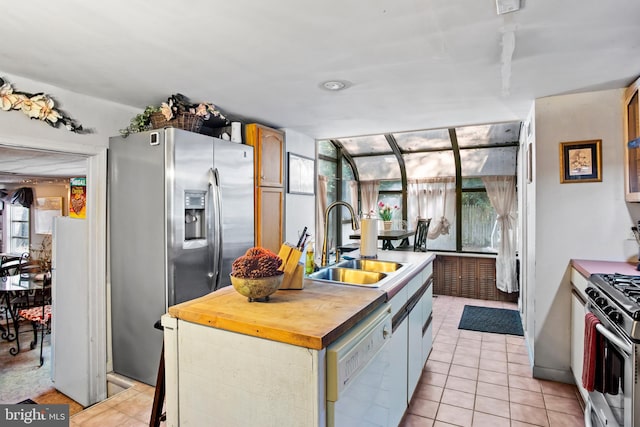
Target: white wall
576, 220
103, 118
299, 208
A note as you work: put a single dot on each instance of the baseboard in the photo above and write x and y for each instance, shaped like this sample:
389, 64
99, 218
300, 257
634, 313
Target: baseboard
550, 374
117, 383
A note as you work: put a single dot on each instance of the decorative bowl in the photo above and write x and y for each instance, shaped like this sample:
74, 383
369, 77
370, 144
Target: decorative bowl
257, 289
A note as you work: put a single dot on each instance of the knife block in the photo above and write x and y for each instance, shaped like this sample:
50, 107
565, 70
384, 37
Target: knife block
293, 270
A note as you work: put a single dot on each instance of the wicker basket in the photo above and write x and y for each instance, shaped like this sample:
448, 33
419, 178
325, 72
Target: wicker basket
186, 121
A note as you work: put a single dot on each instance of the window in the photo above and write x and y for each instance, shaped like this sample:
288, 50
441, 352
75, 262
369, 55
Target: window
340, 177
18, 229
478, 218
438, 174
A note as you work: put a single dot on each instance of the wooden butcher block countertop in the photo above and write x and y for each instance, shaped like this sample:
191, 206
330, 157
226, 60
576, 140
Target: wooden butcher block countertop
312, 317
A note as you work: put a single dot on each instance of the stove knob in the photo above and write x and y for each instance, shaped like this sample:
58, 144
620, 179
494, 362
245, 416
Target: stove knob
601, 301
608, 309
591, 292
615, 316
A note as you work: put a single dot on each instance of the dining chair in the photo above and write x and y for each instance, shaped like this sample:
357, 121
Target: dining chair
29, 265
10, 267
420, 236
39, 315
26, 266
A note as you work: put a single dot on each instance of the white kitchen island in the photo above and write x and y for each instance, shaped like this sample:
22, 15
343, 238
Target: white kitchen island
229, 362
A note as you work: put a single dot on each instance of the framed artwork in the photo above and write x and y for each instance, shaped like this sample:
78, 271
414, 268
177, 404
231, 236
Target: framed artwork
301, 174
581, 161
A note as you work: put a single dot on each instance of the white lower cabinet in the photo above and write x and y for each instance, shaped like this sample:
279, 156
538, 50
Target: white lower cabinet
398, 390
427, 323
216, 377
414, 364
420, 335
577, 329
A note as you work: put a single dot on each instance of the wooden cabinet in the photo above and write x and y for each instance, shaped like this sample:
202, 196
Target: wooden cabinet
269, 184
269, 202
468, 277
269, 154
632, 142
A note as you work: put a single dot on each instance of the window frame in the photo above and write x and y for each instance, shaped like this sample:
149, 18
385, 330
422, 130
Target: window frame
11, 235
397, 150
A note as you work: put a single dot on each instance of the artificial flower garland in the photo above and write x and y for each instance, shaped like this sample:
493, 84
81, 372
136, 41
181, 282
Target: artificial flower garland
36, 106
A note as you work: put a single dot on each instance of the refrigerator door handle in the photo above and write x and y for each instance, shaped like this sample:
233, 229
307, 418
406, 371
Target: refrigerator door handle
211, 256
217, 215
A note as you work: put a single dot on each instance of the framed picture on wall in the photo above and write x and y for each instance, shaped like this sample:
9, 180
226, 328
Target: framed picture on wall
300, 174
581, 161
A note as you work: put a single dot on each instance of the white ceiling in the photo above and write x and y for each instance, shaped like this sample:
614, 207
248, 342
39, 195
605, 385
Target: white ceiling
21, 166
410, 64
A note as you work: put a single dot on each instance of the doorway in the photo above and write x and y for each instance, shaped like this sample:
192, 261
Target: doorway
94, 159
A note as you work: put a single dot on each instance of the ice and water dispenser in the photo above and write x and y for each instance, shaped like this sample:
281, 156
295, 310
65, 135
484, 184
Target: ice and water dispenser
194, 215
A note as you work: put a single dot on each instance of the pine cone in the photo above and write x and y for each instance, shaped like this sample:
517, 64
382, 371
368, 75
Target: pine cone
256, 263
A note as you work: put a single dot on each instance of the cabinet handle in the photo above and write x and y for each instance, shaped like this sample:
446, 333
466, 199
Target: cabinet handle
385, 332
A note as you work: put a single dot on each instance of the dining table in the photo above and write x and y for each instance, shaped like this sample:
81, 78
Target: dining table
388, 236
11, 288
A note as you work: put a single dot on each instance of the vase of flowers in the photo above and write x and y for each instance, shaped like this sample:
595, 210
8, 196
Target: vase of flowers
386, 214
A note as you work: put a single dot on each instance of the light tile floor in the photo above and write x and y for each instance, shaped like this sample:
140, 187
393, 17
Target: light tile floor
129, 408
471, 379
475, 379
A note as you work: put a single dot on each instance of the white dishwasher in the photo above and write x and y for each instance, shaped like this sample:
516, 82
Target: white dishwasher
359, 372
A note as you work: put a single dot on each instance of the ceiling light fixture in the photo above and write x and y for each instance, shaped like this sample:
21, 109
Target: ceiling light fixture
334, 85
506, 6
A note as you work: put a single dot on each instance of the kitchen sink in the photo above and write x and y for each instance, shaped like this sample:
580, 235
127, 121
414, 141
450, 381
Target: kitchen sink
349, 276
370, 265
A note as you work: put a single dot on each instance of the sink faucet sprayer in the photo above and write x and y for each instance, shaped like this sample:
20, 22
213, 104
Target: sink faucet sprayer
354, 226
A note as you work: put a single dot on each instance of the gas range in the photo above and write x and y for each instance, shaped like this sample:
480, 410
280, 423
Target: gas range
617, 296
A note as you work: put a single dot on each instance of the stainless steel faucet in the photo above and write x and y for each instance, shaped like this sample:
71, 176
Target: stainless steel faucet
325, 247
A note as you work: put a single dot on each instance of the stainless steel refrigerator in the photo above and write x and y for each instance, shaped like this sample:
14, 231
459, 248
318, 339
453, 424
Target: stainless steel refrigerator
180, 211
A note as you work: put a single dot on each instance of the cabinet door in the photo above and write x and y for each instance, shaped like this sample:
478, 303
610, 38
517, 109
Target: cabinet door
269, 147
468, 279
414, 357
427, 323
632, 142
398, 374
447, 273
269, 203
577, 340
487, 279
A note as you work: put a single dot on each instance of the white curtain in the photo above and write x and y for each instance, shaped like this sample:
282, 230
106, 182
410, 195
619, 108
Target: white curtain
321, 205
502, 194
427, 198
353, 194
369, 191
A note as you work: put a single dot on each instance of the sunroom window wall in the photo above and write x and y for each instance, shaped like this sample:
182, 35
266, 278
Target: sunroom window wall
438, 174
